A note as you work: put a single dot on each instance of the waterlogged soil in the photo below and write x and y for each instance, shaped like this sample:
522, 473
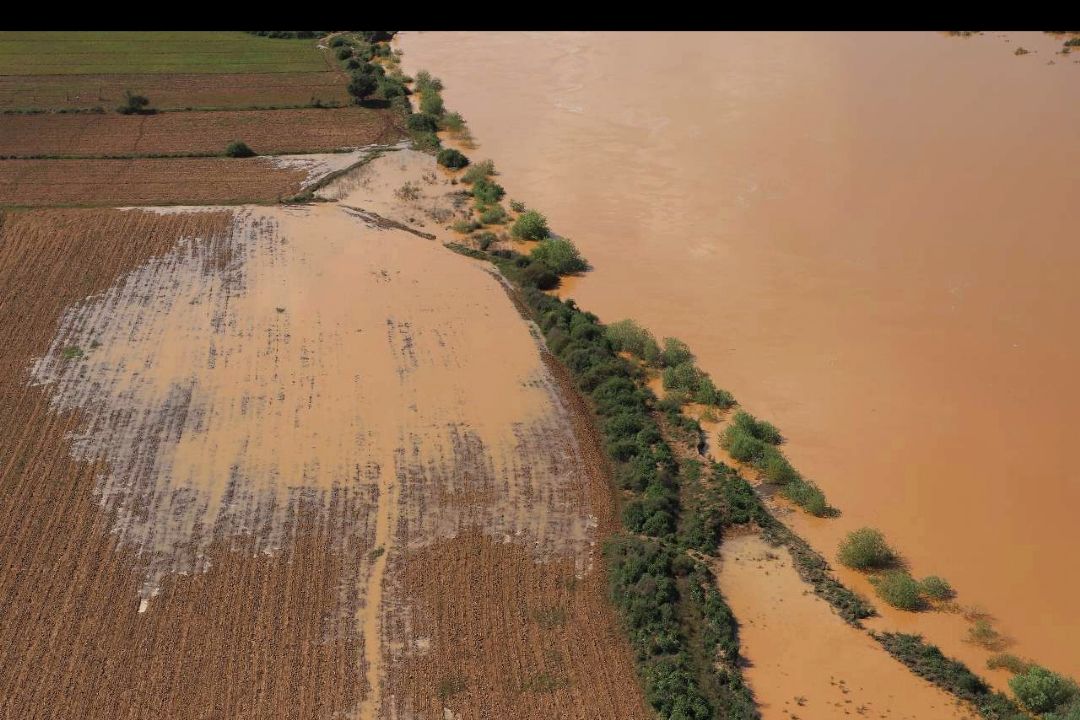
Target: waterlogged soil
802, 662
322, 413
865, 237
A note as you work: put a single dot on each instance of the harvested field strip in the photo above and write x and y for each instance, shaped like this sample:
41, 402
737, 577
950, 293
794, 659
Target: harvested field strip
99, 52
172, 91
75, 643
265, 131
183, 181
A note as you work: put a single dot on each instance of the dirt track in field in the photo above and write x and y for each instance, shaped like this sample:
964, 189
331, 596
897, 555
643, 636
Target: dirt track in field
169, 91
266, 131
313, 432
166, 181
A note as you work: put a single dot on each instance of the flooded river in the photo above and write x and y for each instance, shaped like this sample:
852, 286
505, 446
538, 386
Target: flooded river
869, 238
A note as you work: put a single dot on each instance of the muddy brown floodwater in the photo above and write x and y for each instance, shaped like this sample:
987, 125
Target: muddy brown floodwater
868, 238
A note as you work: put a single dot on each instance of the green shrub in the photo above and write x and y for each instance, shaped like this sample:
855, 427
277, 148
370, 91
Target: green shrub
421, 122
936, 588
760, 429
465, 226
484, 240
487, 192
425, 83
361, 86
540, 276
628, 336
432, 104
675, 352
1005, 661
238, 149
866, 549
517, 206
1040, 690
426, 141
898, 589
135, 104
344, 53
741, 445
806, 495
983, 634
494, 215
453, 122
337, 42
479, 171
450, 158
560, 255
530, 225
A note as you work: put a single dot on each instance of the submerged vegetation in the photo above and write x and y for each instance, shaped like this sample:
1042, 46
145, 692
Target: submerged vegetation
866, 549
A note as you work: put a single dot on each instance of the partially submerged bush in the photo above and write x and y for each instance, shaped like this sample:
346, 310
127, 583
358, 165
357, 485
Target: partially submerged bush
453, 122
983, 634
628, 336
898, 589
494, 215
1006, 661
517, 206
560, 255
487, 192
479, 171
760, 429
530, 225
238, 149
432, 104
450, 158
1042, 691
866, 549
485, 240
936, 588
422, 122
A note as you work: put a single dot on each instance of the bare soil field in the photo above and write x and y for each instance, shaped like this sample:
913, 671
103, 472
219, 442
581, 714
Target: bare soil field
147, 181
172, 91
265, 131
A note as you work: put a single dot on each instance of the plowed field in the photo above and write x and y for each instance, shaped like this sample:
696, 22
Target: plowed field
171, 91
266, 131
166, 181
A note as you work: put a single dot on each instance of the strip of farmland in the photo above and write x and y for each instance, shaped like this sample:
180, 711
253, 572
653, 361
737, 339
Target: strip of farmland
174, 181
172, 91
267, 132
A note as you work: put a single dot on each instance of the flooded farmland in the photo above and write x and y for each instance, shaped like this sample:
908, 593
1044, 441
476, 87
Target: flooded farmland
867, 238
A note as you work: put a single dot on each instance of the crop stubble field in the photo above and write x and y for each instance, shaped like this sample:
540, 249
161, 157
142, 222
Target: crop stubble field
273, 435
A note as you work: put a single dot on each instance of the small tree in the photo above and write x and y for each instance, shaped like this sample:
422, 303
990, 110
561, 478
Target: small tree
361, 86
238, 149
530, 225
134, 104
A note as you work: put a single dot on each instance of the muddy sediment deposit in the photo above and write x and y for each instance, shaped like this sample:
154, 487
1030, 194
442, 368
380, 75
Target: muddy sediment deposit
865, 237
299, 417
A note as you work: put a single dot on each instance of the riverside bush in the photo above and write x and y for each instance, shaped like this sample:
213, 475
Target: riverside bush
560, 254
479, 171
1040, 690
452, 159
936, 588
422, 122
760, 429
495, 215
675, 352
898, 589
866, 549
628, 336
530, 225
432, 104
487, 192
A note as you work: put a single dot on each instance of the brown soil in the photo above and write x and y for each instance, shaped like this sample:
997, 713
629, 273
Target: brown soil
166, 92
266, 131
191, 181
223, 643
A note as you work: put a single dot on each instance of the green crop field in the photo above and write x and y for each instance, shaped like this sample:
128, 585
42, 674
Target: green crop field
106, 53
